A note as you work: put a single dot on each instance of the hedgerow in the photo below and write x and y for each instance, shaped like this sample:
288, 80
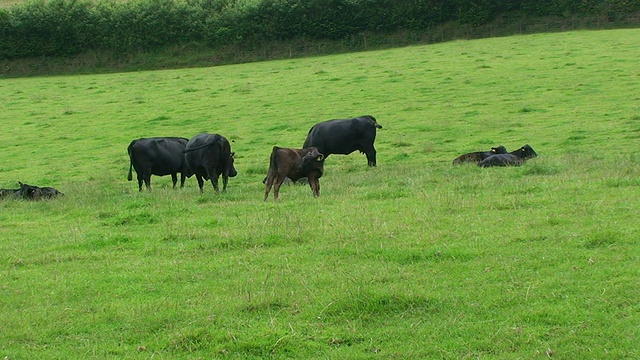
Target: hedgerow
69, 27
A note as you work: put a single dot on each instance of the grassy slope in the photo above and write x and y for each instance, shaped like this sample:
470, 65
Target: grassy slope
415, 258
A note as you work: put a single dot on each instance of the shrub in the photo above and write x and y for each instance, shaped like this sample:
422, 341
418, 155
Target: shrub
69, 27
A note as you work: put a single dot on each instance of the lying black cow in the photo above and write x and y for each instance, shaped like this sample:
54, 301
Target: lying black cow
344, 136
8, 193
158, 156
514, 158
294, 164
208, 156
478, 156
30, 192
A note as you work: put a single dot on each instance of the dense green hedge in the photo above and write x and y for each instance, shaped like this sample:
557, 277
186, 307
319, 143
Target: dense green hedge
67, 27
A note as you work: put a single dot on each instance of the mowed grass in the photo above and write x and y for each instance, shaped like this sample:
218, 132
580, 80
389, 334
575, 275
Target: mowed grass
415, 258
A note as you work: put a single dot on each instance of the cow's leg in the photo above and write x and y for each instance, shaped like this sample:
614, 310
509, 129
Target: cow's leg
200, 182
371, 155
174, 178
276, 187
314, 183
268, 183
183, 177
147, 182
213, 176
140, 182
225, 180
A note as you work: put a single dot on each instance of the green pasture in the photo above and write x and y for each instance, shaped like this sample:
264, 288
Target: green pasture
413, 259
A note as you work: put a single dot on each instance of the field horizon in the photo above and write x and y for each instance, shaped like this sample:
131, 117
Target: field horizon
415, 258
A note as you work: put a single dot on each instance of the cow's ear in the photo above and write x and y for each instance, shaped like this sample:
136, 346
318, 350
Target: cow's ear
233, 154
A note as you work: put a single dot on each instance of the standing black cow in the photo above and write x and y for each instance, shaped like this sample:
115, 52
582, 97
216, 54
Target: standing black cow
514, 158
293, 164
344, 136
209, 156
478, 156
158, 156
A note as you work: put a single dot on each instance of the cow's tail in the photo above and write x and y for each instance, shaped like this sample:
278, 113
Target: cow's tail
130, 177
273, 163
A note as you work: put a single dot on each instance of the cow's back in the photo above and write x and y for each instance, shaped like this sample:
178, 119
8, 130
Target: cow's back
161, 155
501, 160
339, 136
205, 152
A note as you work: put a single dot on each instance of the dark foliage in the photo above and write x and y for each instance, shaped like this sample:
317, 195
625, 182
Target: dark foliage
68, 27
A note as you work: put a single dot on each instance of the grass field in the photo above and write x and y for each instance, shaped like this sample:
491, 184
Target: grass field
415, 258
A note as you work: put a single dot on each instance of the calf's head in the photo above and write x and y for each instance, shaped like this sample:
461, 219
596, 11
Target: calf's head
526, 152
313, 160
499, 150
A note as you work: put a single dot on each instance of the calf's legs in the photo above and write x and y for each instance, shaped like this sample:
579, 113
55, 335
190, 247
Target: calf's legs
314, 183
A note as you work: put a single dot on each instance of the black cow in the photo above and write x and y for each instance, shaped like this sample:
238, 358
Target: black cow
8, 192
158, 156
30, 192
294, 164
344, 136
478, 156
208, 156
514, 158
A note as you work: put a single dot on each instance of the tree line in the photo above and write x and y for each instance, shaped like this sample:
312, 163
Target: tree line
69, 27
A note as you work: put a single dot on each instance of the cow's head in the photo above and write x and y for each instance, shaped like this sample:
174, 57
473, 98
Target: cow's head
29, 191
526, 152
499, 150
313, 160
373, 121
232, 169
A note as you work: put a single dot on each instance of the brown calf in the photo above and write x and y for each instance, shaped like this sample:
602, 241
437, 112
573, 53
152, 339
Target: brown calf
294, 164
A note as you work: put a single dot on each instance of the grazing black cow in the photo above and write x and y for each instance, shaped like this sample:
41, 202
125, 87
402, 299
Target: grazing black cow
514, 158
478, 156
158, 156
344, 136
294, 164
208, 156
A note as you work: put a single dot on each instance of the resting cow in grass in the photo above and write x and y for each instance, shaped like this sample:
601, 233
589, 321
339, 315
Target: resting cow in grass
208, 156
344, 136
158, 156
8, 193
514, 158
293, 164
476, 157
30, 192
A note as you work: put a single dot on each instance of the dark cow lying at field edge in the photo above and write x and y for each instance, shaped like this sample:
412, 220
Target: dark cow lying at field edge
158, 156
8, 193
478, 156
514, 158
208, 156
344, 136
294, 164
30, 192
